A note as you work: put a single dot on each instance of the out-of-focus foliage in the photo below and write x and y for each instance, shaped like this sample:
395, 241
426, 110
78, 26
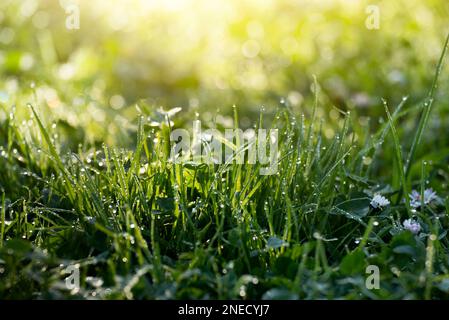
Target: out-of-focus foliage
208, 55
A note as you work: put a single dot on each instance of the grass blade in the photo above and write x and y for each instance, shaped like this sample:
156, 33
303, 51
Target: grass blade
427, 109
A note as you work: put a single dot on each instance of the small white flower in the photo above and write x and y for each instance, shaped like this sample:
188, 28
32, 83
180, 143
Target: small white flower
415, 197
412, 225
379, 201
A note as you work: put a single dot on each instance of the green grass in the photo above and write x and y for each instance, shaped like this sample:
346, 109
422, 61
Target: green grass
87, 181
140, 226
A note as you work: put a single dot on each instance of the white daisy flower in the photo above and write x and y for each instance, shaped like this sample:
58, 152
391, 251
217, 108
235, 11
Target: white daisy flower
379, 201
415, 197
412, 225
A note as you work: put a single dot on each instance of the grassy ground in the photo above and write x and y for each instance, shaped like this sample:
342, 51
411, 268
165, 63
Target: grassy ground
139, 226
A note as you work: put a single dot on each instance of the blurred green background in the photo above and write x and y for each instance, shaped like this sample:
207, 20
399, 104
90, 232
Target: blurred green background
206, 56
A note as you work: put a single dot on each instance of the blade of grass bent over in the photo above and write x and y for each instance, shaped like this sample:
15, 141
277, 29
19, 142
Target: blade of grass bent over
55, 156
